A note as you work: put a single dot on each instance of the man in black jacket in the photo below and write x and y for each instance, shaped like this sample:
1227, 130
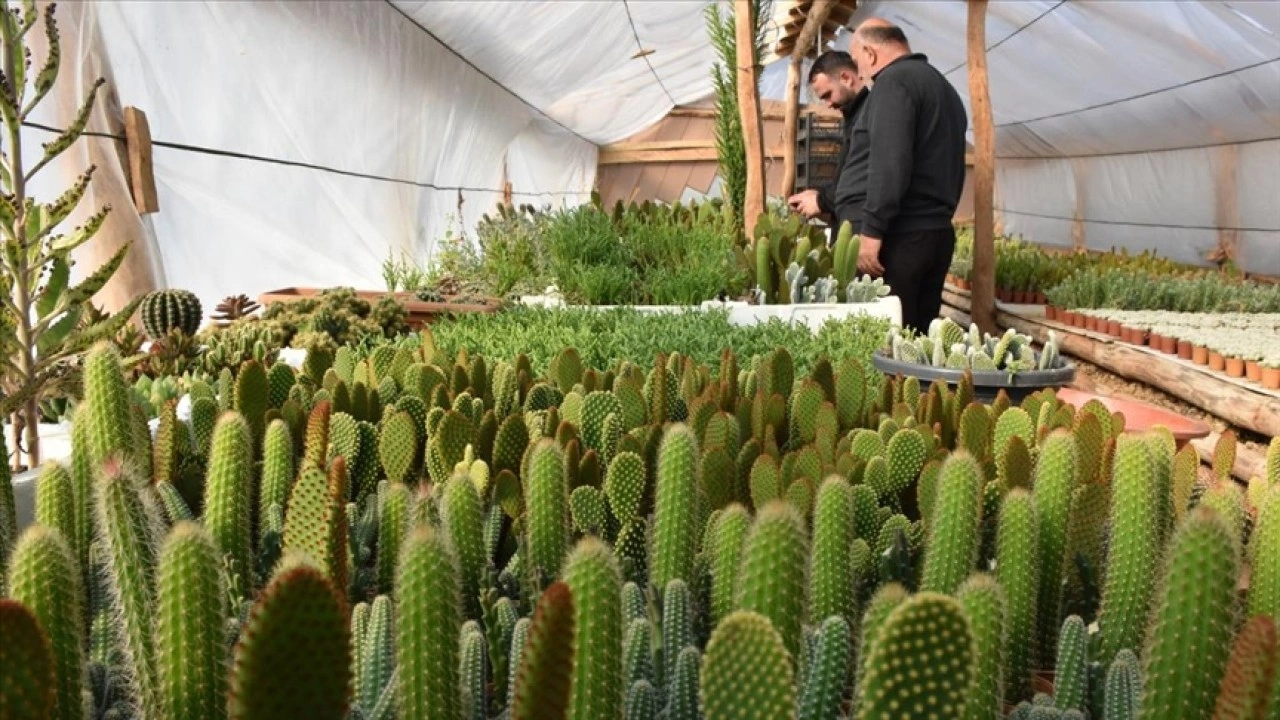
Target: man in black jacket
913, 133
836, 82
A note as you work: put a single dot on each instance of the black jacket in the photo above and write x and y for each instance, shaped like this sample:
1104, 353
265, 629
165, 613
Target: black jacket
842, 198
912, 133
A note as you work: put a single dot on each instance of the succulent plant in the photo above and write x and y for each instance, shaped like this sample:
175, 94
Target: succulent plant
865, 290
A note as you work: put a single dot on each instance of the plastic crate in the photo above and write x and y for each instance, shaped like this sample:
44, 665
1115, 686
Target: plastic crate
818, 145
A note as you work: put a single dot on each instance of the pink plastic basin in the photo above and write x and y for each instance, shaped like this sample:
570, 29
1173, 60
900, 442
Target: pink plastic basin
1139, 416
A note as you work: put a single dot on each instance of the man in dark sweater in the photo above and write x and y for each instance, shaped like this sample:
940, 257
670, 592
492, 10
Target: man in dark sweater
836, 82
912, 131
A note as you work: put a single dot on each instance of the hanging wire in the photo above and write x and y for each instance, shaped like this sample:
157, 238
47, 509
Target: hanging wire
640, 47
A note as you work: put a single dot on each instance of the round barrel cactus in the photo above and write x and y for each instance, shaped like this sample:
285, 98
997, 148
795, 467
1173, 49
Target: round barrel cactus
164, 310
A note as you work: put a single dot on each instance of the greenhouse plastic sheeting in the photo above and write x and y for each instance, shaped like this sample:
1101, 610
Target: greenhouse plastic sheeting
1156, 123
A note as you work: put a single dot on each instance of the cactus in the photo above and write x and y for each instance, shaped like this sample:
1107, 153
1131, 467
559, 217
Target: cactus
746, 673
624, 485
1264, 583
547, 509
882, 603
475, 688
983, 601
227, 492
1070, 687
165, 310
45, 579
313, 517
825, 686
293, 655
251, 393
428, 627
675, 519
772, 575
55, 504
447, 444
1123, 687
27, 668
922, 659
106, 406
1130, 574
729, 536
1017, 570
190, 626
398, 444
462, 512
682, 690
394, 513
316, 442
677, 628
1251, 672
1228, 500
277, 470
906, 455
952, 549
637, 657
592, 574
1183, 669
1054, 483
831, 575
545, 673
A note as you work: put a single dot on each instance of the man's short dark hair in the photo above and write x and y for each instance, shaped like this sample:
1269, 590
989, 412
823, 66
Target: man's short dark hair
831, 62
883, 35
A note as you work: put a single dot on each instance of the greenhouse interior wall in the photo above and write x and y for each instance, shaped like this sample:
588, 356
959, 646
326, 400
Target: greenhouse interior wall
329, 136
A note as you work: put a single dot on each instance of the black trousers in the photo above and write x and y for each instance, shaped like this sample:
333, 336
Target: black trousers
915, 267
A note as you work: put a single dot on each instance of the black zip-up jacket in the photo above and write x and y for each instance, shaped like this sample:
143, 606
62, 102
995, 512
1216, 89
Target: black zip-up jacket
842, 198
912, 135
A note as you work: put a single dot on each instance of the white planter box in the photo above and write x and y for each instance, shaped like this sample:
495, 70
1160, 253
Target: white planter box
812, 315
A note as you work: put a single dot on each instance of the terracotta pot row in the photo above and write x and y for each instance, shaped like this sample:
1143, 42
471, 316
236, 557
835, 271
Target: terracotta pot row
1020, 297
957, 281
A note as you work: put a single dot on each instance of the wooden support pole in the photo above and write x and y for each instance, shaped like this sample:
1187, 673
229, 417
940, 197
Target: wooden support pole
749, 109
1079, 173
813, 23
142, 179
1226, 160
984, 172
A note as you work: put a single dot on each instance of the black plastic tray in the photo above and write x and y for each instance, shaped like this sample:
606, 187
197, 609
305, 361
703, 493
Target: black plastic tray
986, 383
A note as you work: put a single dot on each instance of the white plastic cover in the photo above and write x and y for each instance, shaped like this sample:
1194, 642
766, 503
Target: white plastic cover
1155, 121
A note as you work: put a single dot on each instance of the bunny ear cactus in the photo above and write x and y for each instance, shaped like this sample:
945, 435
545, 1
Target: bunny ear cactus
746, 673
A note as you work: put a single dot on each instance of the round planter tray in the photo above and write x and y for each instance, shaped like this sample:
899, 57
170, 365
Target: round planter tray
987, 384
1140, 416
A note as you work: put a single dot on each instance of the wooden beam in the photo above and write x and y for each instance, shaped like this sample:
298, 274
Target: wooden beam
984, 173
791, 119
749, 108
765, 114
697, 151
142, 179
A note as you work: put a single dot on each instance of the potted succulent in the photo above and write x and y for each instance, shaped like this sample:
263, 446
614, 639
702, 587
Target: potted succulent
1252, 356
1269, 371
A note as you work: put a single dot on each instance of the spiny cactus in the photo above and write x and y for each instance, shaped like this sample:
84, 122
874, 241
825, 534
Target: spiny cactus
906, 455
46, 581
545, 673
624, 485
173, 309
592, 574
829, 676
1251, 672
1055, 481
831, 578
1264, 582
922, 659
730, 535
106, 405
746, 672
55, 504
251, 394
227, 492
1183, 669
1123, 687
277, 470
312, 519
677, 627
190, 626
983, 602
675, 519
428, 628
952, 550
27, 670
1017, 569
462, 512
293, 655
1070, 686
547, 509
772, 575
1130, 579
398, 446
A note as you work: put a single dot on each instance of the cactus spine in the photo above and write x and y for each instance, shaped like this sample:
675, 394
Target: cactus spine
592, 574
428, 628
675, 520
746, 671
190, 626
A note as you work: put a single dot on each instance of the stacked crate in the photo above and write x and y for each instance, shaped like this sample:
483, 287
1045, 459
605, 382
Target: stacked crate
818, 142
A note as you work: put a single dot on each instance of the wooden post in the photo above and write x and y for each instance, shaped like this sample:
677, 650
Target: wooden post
1079, 173
749, 109
142, 179
813, 23
1226, 203
984, 172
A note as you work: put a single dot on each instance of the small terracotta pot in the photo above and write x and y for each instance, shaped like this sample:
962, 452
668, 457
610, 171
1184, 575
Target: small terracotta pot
1184, 349
1113, 328
1004, 295
1199, 355
1079, 319
1040, 298
1271, 378
1216, 361
1050, 312
1168, 345
962, 283
1020, 297
1252, 370
1153, 341
1235, 367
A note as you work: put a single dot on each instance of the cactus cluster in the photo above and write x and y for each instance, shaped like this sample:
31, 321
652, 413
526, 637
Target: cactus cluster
948, 345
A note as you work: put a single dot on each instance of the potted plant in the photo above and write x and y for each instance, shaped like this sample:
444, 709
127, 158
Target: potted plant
1269, 371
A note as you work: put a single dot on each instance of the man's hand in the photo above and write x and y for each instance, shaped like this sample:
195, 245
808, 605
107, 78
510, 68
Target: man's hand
869, 256
805, 203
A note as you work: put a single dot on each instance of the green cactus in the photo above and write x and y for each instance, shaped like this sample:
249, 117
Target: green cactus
592, 574
173, 309
1071, 684
45, 579
446, 446
952, 550
546, 668
1183, 670
227, 491
677, 628
922, 659
55, 502
983, 601
394, 513
129, 531
831, 573
624, 485
675, 529
293, 655
637, 656
906, 455
428, 627
277, 470
170, 436
1228, 500
587, 507
106, 406
316, 441
475, 688
8, 508
1017, 570
1123, 687
204, 416
1055, 479
27, 669
746, 672
251, 393
682, 690
772, 575
1135, 532
825, 686
1185, 466
547, 509
462, 513
374, 654
312, 518
888, 597
190, 626
398, 444
1264, 582
729, 536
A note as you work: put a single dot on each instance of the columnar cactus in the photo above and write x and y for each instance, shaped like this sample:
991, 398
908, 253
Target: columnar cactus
45, 579
277, 470
55, 502
106, 405
772, 575
394, 513
730, 535
428, 628
27, 687
1123, 694
1070, 686
831, 579
1135, 531
1264, 583
1250, 677
165, 310
746, 671
462, 512
294, 653
1017, 570
547, 509
227, 492
952, 550
1055, 480
592, 574
1183, 669
829, 676
922, 659
546, 670
190, 626
983, 602
675, 530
